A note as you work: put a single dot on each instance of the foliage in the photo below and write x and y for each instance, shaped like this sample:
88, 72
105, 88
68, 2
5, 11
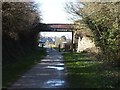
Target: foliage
104, 24
81, 29
18, 37
59, 40
103, 19
18, 16
63, 38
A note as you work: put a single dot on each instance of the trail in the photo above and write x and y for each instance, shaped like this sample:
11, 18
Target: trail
49, 73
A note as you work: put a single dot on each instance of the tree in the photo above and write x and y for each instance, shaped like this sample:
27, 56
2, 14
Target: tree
103, 20
18, 37
63, 38
16, 13
104, 23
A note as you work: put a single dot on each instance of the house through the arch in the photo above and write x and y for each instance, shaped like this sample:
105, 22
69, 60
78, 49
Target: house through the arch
57, 28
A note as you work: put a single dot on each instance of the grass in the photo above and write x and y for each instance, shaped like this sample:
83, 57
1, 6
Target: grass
83, 72
11, 72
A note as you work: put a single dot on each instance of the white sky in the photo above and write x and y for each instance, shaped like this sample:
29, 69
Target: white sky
58, 34
53, 11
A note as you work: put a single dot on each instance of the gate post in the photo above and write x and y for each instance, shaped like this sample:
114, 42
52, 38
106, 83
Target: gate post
59, 47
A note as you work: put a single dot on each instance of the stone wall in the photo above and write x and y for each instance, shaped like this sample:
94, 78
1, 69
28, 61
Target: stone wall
85, 43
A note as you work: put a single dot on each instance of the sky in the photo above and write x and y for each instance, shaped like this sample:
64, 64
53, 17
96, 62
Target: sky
53, 11
68, 35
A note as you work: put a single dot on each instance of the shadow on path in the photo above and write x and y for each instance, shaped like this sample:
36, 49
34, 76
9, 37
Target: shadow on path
49, 73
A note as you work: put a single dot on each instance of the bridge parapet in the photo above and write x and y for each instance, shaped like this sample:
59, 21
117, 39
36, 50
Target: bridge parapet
56, 27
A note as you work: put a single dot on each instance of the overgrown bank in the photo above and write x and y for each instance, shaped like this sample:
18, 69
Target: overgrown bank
19, 38
12, 71
100, 22
84, 72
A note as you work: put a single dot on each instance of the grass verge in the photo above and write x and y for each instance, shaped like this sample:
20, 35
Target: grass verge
11, 72
83, 72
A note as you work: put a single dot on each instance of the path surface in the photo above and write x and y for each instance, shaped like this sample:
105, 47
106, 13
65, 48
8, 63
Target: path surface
49, 73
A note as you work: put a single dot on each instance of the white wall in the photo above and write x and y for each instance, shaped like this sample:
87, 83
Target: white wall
84, 43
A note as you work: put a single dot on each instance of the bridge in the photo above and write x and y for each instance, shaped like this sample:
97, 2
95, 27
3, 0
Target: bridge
54, 27
60, 27
41, 27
